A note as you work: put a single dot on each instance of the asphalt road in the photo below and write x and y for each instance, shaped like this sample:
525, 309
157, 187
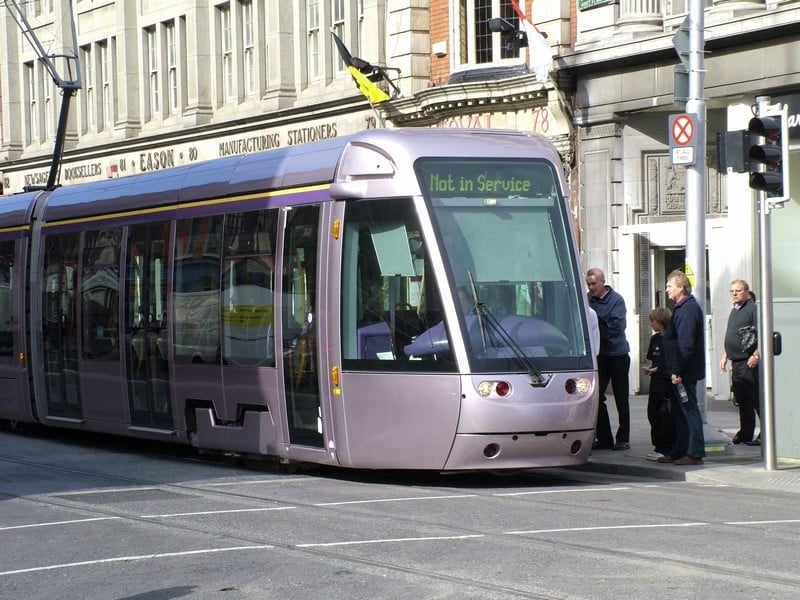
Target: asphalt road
105, 518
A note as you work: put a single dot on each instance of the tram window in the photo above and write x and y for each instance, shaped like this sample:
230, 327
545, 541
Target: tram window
504, 235
196, 290
100, 294
248, 280
388, 293
6, 272
59, 323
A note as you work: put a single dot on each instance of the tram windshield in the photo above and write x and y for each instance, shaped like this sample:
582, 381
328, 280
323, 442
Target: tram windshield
505, 237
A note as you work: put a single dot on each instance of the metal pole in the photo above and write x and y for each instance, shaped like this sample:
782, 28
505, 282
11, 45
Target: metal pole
765, 330
765, 324
696, 173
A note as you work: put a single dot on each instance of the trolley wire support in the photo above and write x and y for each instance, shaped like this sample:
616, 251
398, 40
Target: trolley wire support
69, 83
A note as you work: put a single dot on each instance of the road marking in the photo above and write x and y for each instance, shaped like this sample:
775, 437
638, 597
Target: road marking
605, 528
775, 522
51, 523
572, 491
389, 541
215, 512
411, 498
101, 561
119, 490
255, 482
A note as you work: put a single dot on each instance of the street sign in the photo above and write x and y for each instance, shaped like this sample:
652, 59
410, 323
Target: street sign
682, 139
682, 156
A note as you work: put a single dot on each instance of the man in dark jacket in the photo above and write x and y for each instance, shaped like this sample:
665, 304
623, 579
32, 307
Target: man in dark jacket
744, 361
613, 361
684, 344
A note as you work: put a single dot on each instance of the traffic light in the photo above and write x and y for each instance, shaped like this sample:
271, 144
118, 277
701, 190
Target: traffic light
769, 158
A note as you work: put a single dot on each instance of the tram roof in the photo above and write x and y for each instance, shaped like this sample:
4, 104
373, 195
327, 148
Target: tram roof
281, 168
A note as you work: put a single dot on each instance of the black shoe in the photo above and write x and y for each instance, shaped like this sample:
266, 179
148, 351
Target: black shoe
602, 446
755, 442
737, 439
622, 446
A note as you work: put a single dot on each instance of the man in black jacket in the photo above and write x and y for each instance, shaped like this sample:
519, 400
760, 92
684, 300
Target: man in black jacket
744, 361
684, 345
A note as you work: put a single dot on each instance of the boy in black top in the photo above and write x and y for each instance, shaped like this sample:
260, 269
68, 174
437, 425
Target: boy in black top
659, 409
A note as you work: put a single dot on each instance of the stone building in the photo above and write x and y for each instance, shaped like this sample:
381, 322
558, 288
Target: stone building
622, 63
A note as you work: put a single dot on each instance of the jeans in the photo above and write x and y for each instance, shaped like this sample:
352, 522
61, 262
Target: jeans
689, 438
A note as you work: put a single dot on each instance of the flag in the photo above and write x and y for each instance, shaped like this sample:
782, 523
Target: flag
360, 70
540, 55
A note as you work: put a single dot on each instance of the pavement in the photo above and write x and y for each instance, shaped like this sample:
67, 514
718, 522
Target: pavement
724, 464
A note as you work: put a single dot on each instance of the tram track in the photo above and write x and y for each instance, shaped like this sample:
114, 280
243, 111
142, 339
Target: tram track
332, 552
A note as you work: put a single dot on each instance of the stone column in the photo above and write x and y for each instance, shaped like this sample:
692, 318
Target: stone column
637, 16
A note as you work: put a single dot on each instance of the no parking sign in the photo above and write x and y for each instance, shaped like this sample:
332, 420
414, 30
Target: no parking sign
682, 139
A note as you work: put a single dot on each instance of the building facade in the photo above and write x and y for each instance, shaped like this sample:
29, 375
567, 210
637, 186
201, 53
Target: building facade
164, 84
632, 198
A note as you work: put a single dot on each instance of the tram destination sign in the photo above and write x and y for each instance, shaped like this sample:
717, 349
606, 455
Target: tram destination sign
502, 179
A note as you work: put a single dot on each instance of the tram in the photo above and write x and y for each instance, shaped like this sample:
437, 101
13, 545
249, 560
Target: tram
394, 299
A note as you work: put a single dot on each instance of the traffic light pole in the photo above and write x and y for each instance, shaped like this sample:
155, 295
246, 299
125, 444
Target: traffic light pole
766, 326
765, 329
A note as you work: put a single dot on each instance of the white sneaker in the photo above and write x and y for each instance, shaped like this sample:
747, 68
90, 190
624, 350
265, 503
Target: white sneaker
654, 456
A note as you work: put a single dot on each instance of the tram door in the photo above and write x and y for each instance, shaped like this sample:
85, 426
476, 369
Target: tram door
59, 326
145, 326
300, 330
9, 367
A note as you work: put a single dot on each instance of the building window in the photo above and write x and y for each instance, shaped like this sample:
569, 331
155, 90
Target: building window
249, 43
89, 113
313, 34
477, 44
152, 65
105, 85
32, 117
172, 66
337, 13
680, 7
226, 47
49, 108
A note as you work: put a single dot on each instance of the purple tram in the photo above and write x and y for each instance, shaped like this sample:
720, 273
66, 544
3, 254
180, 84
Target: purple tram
394, 299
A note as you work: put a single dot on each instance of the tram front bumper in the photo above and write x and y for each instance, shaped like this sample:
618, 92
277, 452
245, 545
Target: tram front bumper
519, 450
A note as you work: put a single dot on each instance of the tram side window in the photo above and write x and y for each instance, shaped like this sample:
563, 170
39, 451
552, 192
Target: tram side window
6, 288
100, 294
196, 297
59, 309
248, 283
389, 295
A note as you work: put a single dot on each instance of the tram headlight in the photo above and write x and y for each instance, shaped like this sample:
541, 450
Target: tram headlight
578, 385
494, 388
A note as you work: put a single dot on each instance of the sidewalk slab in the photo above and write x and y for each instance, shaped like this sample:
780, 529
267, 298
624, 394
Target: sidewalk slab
725, 463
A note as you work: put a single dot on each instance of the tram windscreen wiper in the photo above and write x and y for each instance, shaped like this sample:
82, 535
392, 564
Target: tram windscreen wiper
477, 307
485, 317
